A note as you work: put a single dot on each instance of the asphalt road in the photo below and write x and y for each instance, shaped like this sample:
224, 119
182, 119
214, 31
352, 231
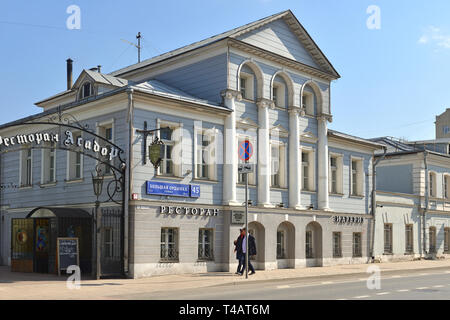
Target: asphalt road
426, 284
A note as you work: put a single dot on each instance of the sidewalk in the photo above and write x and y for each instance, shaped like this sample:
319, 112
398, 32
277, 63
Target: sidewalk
41, 286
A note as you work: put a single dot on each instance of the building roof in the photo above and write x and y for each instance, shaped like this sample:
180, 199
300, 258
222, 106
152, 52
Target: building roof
337, 134
314, 50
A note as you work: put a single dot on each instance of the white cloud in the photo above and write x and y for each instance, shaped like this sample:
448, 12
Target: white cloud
435, 36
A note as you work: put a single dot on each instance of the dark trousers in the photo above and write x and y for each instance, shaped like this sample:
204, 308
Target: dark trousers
240, 265
242, 261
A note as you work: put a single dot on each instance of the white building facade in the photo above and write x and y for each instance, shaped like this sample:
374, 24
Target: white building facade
266, 82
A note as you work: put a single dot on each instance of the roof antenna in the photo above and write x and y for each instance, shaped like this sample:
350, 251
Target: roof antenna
138, 46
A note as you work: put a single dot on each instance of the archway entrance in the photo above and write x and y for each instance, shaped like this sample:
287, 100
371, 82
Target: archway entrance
257, 230
313, 245
285, 245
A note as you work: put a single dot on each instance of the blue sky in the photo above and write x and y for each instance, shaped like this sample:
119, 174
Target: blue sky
394, 80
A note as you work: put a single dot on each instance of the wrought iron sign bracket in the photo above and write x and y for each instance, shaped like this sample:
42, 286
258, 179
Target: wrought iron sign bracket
146, 132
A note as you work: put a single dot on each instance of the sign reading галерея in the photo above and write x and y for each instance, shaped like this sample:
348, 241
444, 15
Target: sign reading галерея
37, 138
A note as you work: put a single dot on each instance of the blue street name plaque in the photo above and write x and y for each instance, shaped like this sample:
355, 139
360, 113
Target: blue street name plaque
172, 189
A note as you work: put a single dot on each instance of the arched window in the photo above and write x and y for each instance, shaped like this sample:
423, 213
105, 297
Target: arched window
309, 101
279, 92
247, 83
86, 90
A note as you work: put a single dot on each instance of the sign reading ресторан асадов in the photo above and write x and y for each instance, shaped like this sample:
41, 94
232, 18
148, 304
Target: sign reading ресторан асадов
345, 219
173, 189
68, 141
189, 211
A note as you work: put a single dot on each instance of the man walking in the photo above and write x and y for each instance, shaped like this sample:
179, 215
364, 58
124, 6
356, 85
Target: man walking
238, 250
243, 249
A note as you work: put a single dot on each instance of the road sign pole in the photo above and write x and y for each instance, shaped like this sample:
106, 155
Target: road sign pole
246, 225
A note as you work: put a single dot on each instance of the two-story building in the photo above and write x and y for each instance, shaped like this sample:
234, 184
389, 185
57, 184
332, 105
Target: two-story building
413, 200
266, 82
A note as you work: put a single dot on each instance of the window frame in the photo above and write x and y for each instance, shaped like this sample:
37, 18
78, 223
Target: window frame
357, 253
281, 244
432, 234
446, 240
387, 245
308, 103
211, 151
280, 98
166, 244
360, 177
202, 244
432, 184
409, 249
282, 161
107, 124
339, 170
177, 145
47, 177
26, 156
311, 168
249, 93
82, 95
337, 253
309, 244
73, 162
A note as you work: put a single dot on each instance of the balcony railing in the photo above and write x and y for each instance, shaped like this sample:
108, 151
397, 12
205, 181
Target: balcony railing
169, 255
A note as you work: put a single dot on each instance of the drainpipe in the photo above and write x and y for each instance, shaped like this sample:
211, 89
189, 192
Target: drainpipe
128, 185
374, 201
427, 188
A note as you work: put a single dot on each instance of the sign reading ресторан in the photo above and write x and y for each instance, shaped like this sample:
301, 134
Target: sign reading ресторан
189, 211
68, 141
345, 219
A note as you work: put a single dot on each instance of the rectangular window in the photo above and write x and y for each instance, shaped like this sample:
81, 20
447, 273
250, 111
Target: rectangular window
333, 165
409, 239
280, 245
387, 238
75, 161
27, 164
205, 244
108, 242
305, 170
275, 166
275, 95
204, 156
166, 166
337, 249
309, 245
432, 238
357, 244
169, 245
106, 131
357, 179
243, 87
432, 184
48, 164
447, 240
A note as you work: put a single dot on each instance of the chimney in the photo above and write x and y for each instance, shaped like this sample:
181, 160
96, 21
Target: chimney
98, 68
69, 73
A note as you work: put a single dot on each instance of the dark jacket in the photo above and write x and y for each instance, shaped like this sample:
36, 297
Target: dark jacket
251, 246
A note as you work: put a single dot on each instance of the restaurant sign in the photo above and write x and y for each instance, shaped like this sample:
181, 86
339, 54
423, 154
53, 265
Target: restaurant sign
68, 141
189, 211
345, 219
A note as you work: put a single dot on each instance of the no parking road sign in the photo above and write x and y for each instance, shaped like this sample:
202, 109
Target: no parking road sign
245, 150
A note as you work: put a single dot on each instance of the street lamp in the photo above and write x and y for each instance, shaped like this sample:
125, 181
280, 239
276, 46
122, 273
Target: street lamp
97, 183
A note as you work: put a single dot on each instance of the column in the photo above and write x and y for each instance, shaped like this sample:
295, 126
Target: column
230, 149
264, 153
294, 159
322, 151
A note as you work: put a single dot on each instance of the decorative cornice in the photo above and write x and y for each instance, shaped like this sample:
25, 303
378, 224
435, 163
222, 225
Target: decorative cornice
234, 43
231, 94
265, 103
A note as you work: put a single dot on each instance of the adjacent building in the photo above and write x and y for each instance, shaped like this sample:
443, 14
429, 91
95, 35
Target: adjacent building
266, 82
